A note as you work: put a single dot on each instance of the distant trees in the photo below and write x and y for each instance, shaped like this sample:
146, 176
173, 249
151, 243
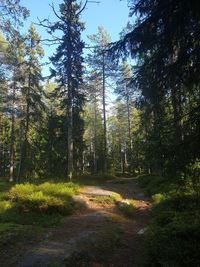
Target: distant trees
99, 61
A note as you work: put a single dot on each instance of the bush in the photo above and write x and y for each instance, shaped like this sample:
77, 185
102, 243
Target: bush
174, 233
45, 198
157, 198
156, 184
21, 191
192, 177
60, 189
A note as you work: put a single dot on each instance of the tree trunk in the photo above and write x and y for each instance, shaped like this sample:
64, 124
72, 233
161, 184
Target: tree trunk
104, 117
130, 158
95, 136
70, 143
12, 150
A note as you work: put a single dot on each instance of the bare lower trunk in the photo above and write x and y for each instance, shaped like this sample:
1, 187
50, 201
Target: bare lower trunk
130, 143
95, 137
12, 151
104, 118
70, 143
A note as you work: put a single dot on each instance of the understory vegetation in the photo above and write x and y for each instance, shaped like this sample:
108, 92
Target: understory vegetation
26, 209
174, 232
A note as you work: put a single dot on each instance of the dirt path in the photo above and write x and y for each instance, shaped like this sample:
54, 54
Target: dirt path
97, 227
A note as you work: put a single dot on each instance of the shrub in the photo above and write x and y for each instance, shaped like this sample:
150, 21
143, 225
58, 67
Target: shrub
21, 191
192, 177
60, 189
174, 233
157, 198
4, 206
45, 198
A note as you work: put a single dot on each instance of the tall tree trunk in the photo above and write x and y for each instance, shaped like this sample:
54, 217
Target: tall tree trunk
95, 136
104, 117
70, 140
21, 153
12, 150
1, 143
70, 145
130, 159
177, 110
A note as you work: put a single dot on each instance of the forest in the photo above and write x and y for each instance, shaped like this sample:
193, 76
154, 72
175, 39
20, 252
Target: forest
100, 146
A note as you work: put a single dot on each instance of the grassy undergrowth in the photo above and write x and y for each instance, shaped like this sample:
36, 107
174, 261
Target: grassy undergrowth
28, 208
174, 232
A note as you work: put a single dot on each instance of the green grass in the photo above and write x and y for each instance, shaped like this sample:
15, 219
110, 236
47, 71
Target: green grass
26, 208
172, 238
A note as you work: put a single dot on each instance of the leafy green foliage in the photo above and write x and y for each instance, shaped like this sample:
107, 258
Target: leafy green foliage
173, 235
45, 198
26, 208
156, 184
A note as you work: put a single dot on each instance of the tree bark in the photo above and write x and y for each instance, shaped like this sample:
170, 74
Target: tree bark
12, 150
104, 117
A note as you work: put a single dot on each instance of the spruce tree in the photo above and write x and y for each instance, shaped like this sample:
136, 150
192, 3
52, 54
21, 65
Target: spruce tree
68, 70
32, 94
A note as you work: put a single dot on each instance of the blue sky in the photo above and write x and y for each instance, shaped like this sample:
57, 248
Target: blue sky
113, 15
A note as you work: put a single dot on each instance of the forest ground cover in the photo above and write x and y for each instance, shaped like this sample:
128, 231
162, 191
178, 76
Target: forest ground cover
173, 234
26, 209
105, 232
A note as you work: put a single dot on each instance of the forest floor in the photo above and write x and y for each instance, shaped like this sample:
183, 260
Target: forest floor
98, 235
